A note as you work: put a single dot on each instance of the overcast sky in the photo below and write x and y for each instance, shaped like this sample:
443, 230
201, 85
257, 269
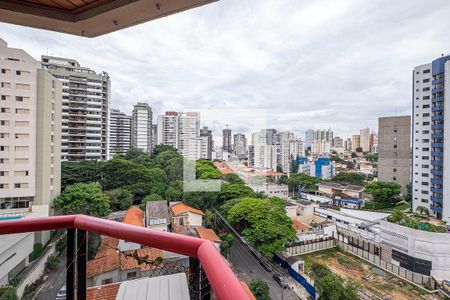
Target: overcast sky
304, 64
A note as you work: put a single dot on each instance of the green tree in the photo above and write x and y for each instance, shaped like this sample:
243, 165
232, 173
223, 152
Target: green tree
77, 172
233, 178
303, 180
260, 289
151, 197
120, 199
372, 157
349, 178
83, 198
162, 148
227, 241
263, 223
206, 170
200, 200
173, 194
397, 216
234, 190
331, 286
359, 149
354, 155
119, 172
137, 156
384, 191
408, 196
422, 210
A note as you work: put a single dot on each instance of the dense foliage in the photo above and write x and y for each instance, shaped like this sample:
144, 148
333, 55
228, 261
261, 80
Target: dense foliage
260, 289
83, 198
414, 222
388, 192
303, 180
332, 286
263, 223
349, 178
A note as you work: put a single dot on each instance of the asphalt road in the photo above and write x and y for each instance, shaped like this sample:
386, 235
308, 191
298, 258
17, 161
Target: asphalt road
248, 267
54, 282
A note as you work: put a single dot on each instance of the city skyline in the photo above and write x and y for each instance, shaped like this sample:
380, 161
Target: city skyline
285, 73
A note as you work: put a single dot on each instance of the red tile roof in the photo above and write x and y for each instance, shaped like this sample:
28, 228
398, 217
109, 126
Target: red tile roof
123, 261
108, 246
207, 234
103, 292
180, 208
299, 225
134, 216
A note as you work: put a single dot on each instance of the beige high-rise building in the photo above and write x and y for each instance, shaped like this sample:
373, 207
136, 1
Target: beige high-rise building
356, 142
30, 131
365, 139
394, 150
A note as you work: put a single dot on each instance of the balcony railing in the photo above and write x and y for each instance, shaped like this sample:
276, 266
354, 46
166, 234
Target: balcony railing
221, 278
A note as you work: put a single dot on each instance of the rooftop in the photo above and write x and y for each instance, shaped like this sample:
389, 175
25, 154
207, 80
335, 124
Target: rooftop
157, 209
207, 234
134, 216
180, 208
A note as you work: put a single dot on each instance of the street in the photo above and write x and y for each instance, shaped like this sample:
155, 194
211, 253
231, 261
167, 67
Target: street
54, 282
248, 267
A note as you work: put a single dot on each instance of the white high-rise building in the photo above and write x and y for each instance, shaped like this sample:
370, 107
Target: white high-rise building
141, 133
240, 145
264, 155
181, 131
321, 147
338, 142
365, 139
30, 151
85, 109
119, 133
430, 172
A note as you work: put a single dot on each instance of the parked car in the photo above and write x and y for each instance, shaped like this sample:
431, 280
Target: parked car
61, 295
280, 280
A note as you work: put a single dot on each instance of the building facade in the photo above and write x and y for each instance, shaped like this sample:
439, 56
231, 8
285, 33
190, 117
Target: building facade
394, 150
30, 151
356, 142
119, 133
365, 139
141, 133
206, 143
240, 145
85, 109
226, 140
430, 147
168, 129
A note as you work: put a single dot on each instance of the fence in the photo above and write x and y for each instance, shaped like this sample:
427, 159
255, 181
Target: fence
309, 246
415, 278
294, 274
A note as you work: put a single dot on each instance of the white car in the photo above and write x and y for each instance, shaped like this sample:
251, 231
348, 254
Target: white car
61, 293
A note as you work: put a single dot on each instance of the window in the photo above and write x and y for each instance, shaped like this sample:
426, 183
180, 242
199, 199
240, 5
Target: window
3, 71
425, 131
426, 80
3, 97
5, 85
426, 71
425, 140
394, 170
394, 178
181, 221
4, 110
425, 157
3, 173
426, 115
425, 123
425, 166
424, 192
425, 183
424, 201
426, 106
131, 275
4, 148
426, 149
4, 135
19, 98
106, 281
3, 185
395, 146
426, 98
426, 89
18, 72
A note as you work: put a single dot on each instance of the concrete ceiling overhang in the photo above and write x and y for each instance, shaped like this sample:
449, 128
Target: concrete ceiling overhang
89, 18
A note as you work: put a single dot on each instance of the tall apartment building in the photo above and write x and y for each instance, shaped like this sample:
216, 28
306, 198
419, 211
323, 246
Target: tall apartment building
338, 142
206, 143
30, 150
320, 147
141, 133
394, 150
430, 177
154, 135
374, 142
309, 138
119, 133
226, 140
264, 155
365, 139
356, 142
85, 109
181, 131
168, 129
240, 145
348, 144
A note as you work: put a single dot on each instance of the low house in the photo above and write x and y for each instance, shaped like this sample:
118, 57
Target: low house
157, 215
349, 203
271, 189
332, 189
183, 216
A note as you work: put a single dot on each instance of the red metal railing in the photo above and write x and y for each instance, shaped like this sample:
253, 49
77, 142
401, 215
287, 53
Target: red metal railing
222, 279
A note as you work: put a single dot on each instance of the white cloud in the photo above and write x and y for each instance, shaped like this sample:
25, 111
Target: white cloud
320, 64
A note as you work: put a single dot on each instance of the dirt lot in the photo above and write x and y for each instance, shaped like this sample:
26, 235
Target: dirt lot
372, 279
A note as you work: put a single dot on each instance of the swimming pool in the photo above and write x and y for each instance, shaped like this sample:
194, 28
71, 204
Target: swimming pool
10, 218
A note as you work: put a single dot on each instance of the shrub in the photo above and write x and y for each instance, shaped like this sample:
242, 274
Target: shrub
61, 244
52, 262
37, 251
8, 293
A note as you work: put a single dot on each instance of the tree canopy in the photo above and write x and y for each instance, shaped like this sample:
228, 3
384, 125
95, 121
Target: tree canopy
83, 198
384, 191
303, 180
350, 178
120, 199
263, 222
332, 286
260, 289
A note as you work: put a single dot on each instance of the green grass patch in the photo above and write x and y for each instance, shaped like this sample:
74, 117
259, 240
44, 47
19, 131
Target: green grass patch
376, 205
